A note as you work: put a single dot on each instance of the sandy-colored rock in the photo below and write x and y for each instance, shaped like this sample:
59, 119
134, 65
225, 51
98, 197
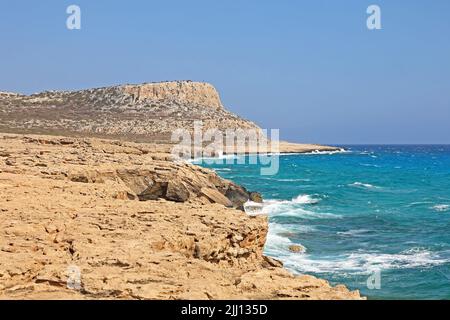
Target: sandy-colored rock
215, 196
177, 191
71, 230
296, 248
181, 92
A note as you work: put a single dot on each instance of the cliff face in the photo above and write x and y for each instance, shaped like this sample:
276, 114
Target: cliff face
147, 112
89, 218
180, 92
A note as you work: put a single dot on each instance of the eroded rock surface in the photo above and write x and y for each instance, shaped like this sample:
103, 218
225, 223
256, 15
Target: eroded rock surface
133, 224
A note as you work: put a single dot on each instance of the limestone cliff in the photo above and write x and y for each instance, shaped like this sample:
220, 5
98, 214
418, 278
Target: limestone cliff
180, 92
146, 112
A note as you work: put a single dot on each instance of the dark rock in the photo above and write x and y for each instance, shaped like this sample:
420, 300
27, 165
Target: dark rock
79, 178
155, 191
237, 195
66, 142
256, 197
271, 262
197, 251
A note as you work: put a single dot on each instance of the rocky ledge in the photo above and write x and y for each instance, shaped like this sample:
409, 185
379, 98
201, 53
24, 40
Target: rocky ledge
131, 224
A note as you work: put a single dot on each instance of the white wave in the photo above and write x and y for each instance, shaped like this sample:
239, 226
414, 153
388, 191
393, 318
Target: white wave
278, 241
220, 156
441, 207
253, 208
361, 262
292, 207
318, 152
314, 152
295, 208
364, 185
300, 199
305, 199
221, 169
181, 160
418, 203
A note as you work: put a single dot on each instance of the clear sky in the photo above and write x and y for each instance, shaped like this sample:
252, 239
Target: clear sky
310, 68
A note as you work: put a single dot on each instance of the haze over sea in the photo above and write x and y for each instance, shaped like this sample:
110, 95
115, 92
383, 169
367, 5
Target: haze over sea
370, 209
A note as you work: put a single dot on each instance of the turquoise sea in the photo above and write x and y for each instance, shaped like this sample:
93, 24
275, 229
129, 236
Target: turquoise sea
372, 211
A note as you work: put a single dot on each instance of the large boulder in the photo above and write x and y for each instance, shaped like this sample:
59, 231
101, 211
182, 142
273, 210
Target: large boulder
296, 248
154, 191
173, 182
237, 195
177, 191
256, 197
215, 196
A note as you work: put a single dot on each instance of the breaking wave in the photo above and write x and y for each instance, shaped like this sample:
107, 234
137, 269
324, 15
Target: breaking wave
363, 185
363, 262
318, 152
278, 241
441, 207
297, 207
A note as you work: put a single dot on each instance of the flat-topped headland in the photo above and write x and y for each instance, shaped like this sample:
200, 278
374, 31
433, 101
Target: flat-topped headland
148, 112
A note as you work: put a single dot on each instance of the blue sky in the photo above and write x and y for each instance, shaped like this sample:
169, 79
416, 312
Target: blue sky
310, 68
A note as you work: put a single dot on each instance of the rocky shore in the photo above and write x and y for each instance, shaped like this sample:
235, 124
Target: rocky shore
133, 224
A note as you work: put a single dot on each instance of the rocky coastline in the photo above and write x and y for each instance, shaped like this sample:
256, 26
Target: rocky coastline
134, 224
94, 206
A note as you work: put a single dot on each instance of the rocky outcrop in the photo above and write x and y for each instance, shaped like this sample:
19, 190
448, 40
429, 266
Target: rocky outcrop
102, 219
5, 94
295, 248
166, 180
176, 92
146, 112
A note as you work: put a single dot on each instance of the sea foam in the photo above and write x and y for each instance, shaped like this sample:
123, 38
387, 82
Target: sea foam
364, 262
364, 185
441, 207
297, 207
278, 241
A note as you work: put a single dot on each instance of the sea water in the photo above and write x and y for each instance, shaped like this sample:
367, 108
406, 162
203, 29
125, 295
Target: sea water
371, 212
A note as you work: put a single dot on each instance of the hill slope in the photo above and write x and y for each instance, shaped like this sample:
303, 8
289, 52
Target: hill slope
145, 112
